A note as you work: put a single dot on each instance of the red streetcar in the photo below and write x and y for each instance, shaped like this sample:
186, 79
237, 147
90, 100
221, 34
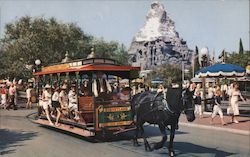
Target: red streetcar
100, 108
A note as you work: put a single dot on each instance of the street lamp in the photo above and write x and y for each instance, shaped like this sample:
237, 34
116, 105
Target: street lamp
204, 63
37, 63
37, 68
204, 57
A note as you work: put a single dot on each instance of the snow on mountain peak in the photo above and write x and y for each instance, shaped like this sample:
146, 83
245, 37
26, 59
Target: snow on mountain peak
157, 24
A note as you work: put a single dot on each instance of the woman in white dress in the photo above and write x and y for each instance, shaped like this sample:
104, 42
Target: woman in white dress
235, 102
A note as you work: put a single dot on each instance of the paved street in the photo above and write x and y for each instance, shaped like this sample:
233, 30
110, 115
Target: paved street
20, 137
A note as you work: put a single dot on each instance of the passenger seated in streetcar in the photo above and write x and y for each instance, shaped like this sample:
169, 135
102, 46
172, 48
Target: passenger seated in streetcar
115, 99
85, 88
115, 88
46, 98
73, 109
125, 93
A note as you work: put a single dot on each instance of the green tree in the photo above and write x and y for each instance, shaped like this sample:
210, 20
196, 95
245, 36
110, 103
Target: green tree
103, 48
239, 59
169, 73
121, 55
111, 49
196, 60
241, 50
28, 39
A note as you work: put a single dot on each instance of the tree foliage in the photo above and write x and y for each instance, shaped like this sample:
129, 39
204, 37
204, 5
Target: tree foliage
28, 39
169, 73
196, 60
239, 59
121, 55
241, 50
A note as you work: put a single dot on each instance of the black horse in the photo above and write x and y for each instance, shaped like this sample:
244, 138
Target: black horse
155, 109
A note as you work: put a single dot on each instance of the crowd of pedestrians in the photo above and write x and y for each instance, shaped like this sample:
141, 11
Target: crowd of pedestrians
216, 94
9, 95
56, 101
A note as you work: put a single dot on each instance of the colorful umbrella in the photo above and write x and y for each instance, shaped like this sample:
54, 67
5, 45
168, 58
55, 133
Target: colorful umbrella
221, 70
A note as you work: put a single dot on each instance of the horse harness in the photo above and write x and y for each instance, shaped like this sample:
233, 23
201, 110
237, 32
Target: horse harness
163, 107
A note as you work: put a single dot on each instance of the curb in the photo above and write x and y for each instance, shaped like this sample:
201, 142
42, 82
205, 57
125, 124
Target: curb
234, 131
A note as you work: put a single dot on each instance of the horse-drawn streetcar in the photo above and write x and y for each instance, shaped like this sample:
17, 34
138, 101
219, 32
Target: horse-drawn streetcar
90, 102
93, 103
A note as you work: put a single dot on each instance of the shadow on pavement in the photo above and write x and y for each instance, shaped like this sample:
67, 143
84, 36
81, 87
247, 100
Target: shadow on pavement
149, 131
182, 149
190, 149
10, 140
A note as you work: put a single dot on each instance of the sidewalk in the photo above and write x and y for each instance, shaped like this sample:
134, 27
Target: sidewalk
243, 127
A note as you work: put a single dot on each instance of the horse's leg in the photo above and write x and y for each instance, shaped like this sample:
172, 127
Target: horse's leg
135, 140
147, 145
170, 147
141, 130
164, 137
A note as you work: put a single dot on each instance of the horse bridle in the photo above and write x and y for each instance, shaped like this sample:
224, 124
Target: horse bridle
183, 102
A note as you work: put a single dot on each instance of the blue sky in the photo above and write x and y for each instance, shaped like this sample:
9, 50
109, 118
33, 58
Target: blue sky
216, 24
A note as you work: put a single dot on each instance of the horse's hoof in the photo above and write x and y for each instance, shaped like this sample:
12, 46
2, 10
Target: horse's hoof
158, 146
149, 149
135, 143
171, 153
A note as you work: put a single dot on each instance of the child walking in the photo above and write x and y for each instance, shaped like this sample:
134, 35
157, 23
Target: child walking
217, 108
198, 108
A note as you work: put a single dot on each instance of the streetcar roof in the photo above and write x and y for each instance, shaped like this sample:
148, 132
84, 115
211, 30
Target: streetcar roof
91, 65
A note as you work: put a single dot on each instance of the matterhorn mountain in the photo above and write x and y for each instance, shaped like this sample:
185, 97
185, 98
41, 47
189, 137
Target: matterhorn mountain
157, 42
